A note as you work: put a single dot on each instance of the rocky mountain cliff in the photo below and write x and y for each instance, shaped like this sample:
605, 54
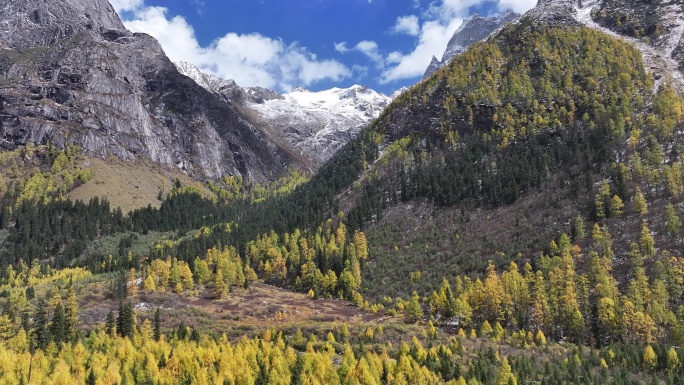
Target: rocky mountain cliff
70, 73
315, 124
473, 29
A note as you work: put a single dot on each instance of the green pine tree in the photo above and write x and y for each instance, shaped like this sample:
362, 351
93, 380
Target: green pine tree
58, 325
110, 324
157, 325
41, 333
125, 322
91, 379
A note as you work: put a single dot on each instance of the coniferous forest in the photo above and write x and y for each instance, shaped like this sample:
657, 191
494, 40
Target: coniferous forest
564, 112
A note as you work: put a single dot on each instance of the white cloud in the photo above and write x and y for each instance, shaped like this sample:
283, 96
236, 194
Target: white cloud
249, 59
445, 11
432, 41
126, 5
360, 70
394, 57
519, 6
367, 47
341, 47
408, 25
370, 49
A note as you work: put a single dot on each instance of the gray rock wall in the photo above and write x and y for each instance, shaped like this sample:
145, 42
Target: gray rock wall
71, 74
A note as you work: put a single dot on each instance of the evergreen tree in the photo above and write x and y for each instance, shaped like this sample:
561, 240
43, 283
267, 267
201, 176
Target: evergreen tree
91, 379
110, 324
157, 325
58, 325
120, 288
30, 293
125, 323
41, 333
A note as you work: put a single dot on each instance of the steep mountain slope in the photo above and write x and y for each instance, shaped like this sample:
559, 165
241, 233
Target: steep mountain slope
502, 181
72, 74
656, 28
473, 29
316, 124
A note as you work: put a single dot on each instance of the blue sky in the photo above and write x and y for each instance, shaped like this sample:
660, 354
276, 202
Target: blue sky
317, 44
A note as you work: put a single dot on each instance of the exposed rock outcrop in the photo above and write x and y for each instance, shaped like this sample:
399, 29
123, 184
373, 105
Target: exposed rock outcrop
70, 73
473, 29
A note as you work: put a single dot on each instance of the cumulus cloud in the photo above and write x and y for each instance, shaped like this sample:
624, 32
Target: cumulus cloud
408, 25
249, 59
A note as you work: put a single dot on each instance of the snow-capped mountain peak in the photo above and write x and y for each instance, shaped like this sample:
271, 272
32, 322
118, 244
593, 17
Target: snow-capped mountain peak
316, 123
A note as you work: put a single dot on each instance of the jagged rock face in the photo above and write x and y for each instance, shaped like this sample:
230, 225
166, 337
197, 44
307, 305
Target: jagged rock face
473, 29
435, 64
554, 12
70, 73
315, 124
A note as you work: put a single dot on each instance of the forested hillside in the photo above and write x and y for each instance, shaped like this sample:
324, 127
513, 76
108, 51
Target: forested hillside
515, 218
